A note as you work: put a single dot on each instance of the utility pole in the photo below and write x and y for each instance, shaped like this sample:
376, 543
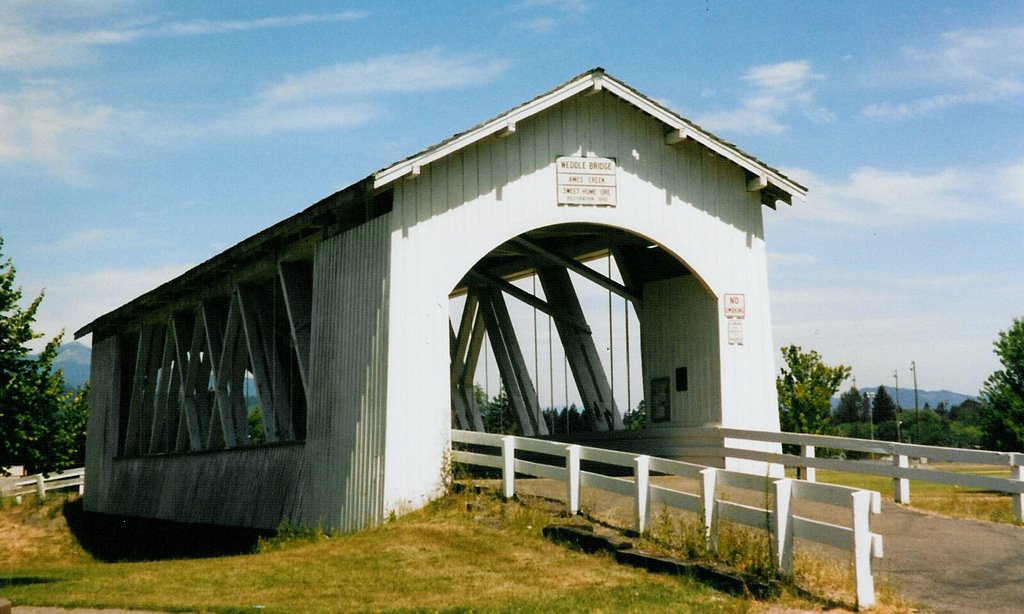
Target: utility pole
896, 376
917, 412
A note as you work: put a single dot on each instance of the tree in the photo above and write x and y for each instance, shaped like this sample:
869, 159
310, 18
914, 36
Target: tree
1003, 393
851, 407
884, 408
42, 424
806, 386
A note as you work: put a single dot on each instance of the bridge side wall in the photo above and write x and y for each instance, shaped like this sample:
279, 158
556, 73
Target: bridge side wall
342, 477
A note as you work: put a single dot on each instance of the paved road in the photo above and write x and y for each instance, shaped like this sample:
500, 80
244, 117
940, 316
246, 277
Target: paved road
938, 564
952, 565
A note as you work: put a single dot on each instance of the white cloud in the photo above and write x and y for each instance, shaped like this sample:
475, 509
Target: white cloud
398, 73
777, 89
84, 239
967, 67
793, 260
268, 118
539, 25
878, 197
24, 47
74, 300
46, 125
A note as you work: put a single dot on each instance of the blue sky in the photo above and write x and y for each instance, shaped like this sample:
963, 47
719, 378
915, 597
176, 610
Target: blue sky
140, 138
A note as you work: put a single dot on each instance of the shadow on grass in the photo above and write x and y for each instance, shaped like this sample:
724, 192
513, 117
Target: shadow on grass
9, 581
111, 538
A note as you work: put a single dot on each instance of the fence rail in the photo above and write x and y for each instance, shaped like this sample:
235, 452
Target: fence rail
899, 469
40, 484
708, 503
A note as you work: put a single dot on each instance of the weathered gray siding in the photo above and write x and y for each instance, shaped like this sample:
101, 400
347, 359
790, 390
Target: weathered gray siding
343, 469
101, 429
243, 486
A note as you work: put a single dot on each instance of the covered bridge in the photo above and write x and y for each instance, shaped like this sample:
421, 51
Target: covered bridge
340, 316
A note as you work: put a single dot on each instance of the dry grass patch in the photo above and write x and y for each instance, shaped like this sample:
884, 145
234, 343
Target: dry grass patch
465, 553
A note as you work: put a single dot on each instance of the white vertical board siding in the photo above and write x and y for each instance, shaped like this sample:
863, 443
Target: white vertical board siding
343, 467
101, 429
691, 201
679, 328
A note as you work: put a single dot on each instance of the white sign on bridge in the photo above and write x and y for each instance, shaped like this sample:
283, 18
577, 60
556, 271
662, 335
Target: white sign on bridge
586, 181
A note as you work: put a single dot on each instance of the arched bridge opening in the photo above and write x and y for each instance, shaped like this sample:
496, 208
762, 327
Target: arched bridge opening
580, 328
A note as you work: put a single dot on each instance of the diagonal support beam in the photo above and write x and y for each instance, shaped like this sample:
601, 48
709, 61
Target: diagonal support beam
577, 267
297, 285
188, 338
587, 370
485, 278
511, 364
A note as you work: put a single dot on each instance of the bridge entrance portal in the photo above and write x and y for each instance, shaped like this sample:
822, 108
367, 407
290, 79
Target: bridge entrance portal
580, 329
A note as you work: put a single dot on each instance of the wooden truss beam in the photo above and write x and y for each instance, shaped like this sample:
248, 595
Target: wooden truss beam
297, 285
577, 267
483, 277
511, 365
465, 351
580, 352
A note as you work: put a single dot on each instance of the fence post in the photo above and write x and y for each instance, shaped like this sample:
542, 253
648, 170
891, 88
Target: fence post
782, 525
809, 473
41, 486
862, 541
508, 464
572, 480
1017, 473
707, 498
900, 486
641, 482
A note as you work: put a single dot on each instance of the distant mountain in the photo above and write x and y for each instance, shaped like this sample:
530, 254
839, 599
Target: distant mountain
906, 397
75, 359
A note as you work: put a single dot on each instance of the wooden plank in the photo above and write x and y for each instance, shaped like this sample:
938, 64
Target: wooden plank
823, 533
679, 468
748, 515
476, 438
673, 498
476, 458
608, 457
540, 470
619, 486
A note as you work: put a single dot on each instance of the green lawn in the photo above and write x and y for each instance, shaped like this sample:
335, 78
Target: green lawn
945, 499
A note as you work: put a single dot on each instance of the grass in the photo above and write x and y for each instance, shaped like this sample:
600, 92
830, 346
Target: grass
467, 552
944, 499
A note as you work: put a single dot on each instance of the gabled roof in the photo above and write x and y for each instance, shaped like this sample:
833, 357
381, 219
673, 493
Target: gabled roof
772, 183
370, 196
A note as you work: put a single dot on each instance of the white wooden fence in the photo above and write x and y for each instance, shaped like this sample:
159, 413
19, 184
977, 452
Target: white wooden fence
40, 484
783, 525
899, 469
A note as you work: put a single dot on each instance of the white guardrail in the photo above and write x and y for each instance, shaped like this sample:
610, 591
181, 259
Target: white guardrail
40, 484
899, 469
499, 452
